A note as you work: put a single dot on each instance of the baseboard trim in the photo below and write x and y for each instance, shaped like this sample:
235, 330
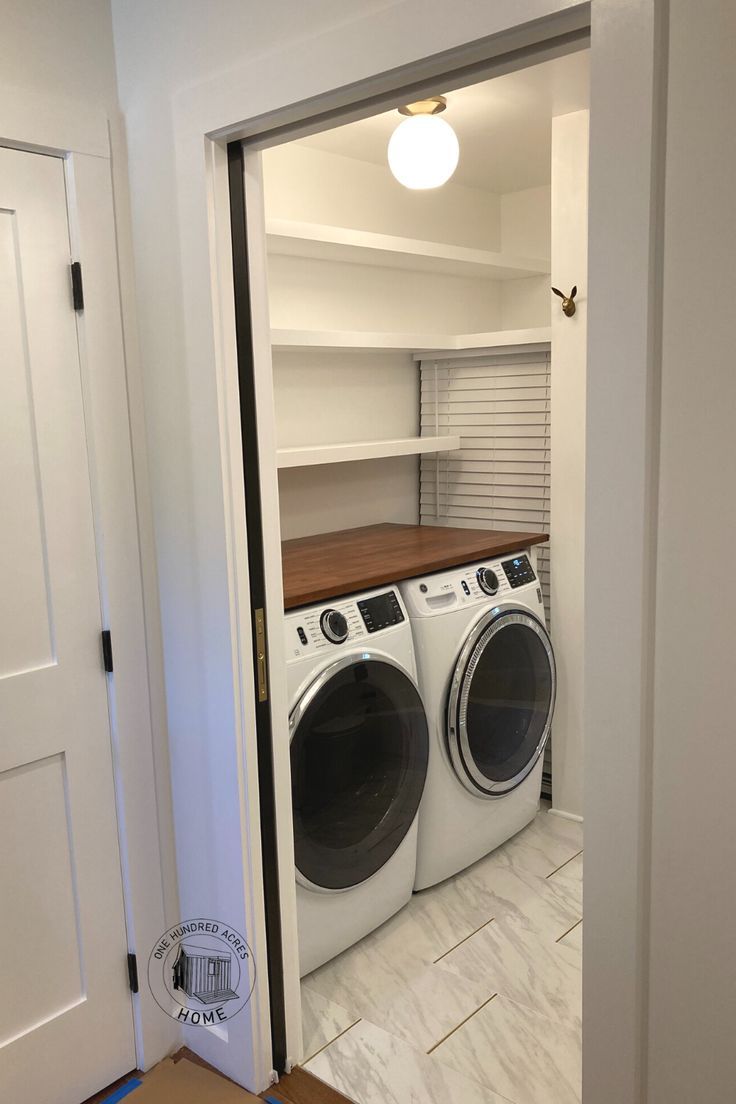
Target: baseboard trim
566, 816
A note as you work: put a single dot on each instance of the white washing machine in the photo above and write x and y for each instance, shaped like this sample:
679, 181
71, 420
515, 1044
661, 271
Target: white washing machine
359, 754
487, 677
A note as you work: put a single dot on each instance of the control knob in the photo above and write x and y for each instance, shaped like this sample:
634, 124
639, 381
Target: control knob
487, 580
334, 626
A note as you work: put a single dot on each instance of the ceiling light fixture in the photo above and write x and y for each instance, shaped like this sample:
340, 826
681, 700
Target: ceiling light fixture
423, 151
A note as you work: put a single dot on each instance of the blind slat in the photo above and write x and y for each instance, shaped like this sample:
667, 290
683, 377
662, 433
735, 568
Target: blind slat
507, 453
502, 385
458, 422
485, 404
515, 468
485, 370
503, 485
508, 475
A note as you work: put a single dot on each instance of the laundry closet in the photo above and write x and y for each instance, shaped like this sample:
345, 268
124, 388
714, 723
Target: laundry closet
429, 399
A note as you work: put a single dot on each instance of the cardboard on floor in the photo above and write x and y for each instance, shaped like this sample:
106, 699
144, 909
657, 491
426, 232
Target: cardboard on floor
183, 1082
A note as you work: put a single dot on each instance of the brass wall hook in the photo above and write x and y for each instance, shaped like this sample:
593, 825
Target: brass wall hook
568, 301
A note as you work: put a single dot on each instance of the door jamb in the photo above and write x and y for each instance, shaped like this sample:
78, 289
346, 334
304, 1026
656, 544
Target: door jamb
259, 604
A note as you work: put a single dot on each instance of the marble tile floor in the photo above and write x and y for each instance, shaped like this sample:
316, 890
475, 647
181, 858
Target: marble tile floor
470, 994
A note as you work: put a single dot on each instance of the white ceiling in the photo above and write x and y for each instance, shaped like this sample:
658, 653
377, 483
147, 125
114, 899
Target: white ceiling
503, 125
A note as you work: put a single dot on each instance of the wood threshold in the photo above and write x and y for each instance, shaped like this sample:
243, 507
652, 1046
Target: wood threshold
302, 1087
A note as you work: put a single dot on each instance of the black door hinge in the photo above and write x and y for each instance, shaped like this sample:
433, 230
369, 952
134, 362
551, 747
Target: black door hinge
133, 973
107, 650
77, 289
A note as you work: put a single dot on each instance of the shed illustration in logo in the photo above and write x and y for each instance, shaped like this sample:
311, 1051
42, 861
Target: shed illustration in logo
204, 974
201, 972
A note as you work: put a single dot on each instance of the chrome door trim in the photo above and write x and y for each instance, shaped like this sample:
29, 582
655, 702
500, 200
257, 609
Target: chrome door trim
329, 672
300, 709
458, 743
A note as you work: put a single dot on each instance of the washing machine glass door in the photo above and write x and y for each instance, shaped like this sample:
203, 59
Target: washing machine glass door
359, 749
501, 702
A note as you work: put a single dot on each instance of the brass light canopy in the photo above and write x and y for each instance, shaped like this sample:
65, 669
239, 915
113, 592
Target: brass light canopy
432, 105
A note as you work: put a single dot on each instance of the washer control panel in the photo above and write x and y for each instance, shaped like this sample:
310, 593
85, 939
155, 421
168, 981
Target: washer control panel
463, 586
518, 571
343, 622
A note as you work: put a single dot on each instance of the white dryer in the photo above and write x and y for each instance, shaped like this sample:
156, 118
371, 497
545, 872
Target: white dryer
359, 753
487, 677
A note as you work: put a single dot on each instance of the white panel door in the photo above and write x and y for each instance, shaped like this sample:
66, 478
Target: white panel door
66, 1025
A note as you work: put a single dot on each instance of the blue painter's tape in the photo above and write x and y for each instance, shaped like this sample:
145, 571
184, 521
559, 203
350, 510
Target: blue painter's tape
272, 1100
123, 1091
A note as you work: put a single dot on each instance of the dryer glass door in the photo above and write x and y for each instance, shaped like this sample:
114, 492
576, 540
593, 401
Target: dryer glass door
359, 748
501, 702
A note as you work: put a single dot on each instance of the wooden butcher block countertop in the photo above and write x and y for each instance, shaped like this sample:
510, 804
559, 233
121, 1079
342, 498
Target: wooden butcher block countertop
333, 564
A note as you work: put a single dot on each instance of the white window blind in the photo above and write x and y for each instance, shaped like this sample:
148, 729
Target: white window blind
499, 478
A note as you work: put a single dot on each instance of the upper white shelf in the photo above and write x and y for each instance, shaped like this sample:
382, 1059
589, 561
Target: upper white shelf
336, 243
412, 342
308, 455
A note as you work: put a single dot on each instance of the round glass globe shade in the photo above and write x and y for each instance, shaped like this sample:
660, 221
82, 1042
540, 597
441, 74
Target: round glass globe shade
423, 152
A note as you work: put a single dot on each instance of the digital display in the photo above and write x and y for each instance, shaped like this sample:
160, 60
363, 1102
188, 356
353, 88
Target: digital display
519, 571
381, 612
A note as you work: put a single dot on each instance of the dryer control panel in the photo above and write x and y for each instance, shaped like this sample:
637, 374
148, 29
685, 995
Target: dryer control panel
342, 622
382, 611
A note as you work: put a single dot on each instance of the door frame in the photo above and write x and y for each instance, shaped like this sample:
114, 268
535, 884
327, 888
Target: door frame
79, 136
623, 391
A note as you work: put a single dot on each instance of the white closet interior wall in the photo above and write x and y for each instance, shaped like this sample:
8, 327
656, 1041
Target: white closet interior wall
329, 295
312, 185
327, 395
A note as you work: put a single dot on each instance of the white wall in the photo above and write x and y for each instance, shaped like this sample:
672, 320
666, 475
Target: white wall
315, 186
329, 497
330, 295
526, 221
60, 49
346, 395
567, 498
526, 230
524, 303
692, 1013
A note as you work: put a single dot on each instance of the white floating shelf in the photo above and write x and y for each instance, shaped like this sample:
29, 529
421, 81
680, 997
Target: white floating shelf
537, 335
510, 341
363, 450
336, 243
356, 339
412, 342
